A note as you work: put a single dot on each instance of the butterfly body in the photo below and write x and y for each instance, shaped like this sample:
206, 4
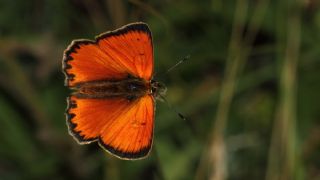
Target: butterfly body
130, 88
113, 102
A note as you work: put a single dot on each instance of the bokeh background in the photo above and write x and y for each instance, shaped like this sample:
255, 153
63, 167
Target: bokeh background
250, 90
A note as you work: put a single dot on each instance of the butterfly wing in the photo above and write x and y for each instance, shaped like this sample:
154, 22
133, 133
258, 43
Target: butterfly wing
123, 128
131, 135
113, 55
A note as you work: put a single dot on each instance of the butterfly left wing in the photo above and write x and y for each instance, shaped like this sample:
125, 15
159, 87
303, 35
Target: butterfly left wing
113, 55
123, 128
131, 46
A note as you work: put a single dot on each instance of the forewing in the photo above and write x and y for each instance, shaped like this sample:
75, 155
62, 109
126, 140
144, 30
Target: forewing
86, 118
124, 128
131, 46
130, 135
114, 55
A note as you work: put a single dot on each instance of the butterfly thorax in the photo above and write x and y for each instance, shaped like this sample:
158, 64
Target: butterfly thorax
130, 88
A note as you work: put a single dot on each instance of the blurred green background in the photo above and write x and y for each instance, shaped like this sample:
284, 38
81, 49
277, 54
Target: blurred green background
250, 90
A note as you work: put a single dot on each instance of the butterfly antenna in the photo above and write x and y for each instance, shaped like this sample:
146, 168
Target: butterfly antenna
174, 66
169, 105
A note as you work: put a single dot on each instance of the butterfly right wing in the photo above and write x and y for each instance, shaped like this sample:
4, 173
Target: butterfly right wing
86, 118
123, 128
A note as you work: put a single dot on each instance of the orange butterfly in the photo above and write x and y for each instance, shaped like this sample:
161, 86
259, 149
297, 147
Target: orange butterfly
114, 95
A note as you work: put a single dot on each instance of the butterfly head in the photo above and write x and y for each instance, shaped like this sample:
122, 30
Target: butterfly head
158, 89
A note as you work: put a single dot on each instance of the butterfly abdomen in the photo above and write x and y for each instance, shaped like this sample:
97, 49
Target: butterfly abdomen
129, 88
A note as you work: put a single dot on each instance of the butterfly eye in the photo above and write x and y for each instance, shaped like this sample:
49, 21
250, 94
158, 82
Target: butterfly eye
158, 89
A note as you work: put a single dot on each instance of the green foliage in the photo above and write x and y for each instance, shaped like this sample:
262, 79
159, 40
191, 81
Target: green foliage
271, 124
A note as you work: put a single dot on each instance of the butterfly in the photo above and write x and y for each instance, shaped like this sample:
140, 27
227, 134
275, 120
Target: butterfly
113, 98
